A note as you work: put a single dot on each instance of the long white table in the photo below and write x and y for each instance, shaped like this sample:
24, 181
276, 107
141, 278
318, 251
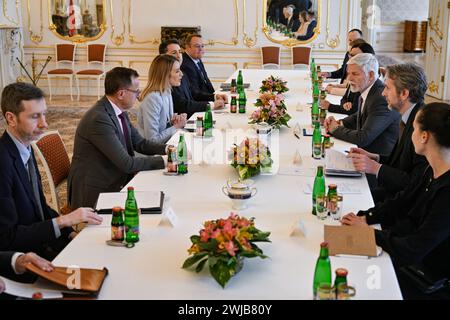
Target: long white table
152, 269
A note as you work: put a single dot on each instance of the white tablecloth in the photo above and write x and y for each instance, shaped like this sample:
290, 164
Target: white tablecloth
152, 269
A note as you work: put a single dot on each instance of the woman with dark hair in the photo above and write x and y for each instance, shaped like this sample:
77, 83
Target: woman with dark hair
416, 223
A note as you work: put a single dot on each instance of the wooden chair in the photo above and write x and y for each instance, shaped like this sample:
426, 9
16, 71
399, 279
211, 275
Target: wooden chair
95, 66
301, 57
271, 57
52, 153
65, 54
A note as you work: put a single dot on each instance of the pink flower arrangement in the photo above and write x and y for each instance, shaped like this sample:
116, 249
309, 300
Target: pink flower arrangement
223, 243
273, 84
272, 110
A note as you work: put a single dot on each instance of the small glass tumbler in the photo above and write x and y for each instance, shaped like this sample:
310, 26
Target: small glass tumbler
321, 206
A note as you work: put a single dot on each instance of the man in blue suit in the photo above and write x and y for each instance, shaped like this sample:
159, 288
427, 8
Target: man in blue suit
27, 223
193, 68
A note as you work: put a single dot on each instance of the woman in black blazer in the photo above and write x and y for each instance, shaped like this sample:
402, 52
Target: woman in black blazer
416, 223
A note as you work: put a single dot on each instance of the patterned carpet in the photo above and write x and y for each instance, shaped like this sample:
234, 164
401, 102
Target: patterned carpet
64, 120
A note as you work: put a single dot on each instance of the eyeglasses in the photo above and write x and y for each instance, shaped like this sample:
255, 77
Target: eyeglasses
136, 92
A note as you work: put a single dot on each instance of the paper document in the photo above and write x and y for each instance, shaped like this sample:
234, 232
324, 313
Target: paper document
144, 199
337, 163
26, 290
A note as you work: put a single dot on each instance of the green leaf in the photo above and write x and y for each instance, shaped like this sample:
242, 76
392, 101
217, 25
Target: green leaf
211, 245
195, 239
220, 272
201, 265
194, 259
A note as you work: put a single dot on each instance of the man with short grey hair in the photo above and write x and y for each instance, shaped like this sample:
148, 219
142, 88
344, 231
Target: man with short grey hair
405, 87
373, 127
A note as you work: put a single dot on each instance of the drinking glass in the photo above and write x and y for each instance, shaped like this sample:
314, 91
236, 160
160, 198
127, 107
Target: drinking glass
345, 291
325, 291
321, 206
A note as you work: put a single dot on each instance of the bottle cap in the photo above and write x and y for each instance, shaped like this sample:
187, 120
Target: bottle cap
324, 244
117, 209
341, 272
332, 186
130, 188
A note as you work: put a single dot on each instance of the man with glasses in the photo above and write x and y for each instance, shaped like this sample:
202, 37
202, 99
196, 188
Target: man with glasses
193, 68
105, 143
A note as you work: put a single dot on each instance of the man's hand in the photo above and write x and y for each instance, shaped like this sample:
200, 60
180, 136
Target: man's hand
363, 163
324, 74
347, 106
80, 215
39, 262
352, 219
330, 124
329, 88
221, 96
325, 104
218, 104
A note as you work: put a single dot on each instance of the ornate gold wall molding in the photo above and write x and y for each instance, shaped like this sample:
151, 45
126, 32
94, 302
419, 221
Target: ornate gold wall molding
433, 87
437, 48
120, 39
5, 13
36, 38
249, 42
333, 42
234, 40
436, 27
132, 38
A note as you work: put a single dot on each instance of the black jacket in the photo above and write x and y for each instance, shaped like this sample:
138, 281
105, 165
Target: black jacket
416, 223
403, 163
349, 96
202, 90
183, 101
342, 72
21, 226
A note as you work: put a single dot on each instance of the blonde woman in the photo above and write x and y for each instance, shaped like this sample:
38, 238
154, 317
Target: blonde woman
156, 120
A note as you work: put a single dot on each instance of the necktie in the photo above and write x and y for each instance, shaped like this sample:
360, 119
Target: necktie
402, 129
126, 133
359, 115
202, 73
35, 184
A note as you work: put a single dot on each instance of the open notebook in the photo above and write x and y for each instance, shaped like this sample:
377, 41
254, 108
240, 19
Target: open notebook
150, 202
337, 164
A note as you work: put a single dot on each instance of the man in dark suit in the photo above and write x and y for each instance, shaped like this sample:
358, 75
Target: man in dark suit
342, 72
373, 127
193, 69
105, 142
405, 87
27, 223
183, 101
292, 20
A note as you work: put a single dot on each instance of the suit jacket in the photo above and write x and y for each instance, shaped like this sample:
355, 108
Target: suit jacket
183, 101
155, 115
396, 171
349, 96
5, 264
342, 72
310, 31
293, 24
416, 224
201, 90
101, 162
21, 226
379, 129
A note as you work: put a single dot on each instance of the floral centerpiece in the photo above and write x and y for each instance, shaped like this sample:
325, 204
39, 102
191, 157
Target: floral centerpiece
272, 110
273, 84
250, 158
223, 244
